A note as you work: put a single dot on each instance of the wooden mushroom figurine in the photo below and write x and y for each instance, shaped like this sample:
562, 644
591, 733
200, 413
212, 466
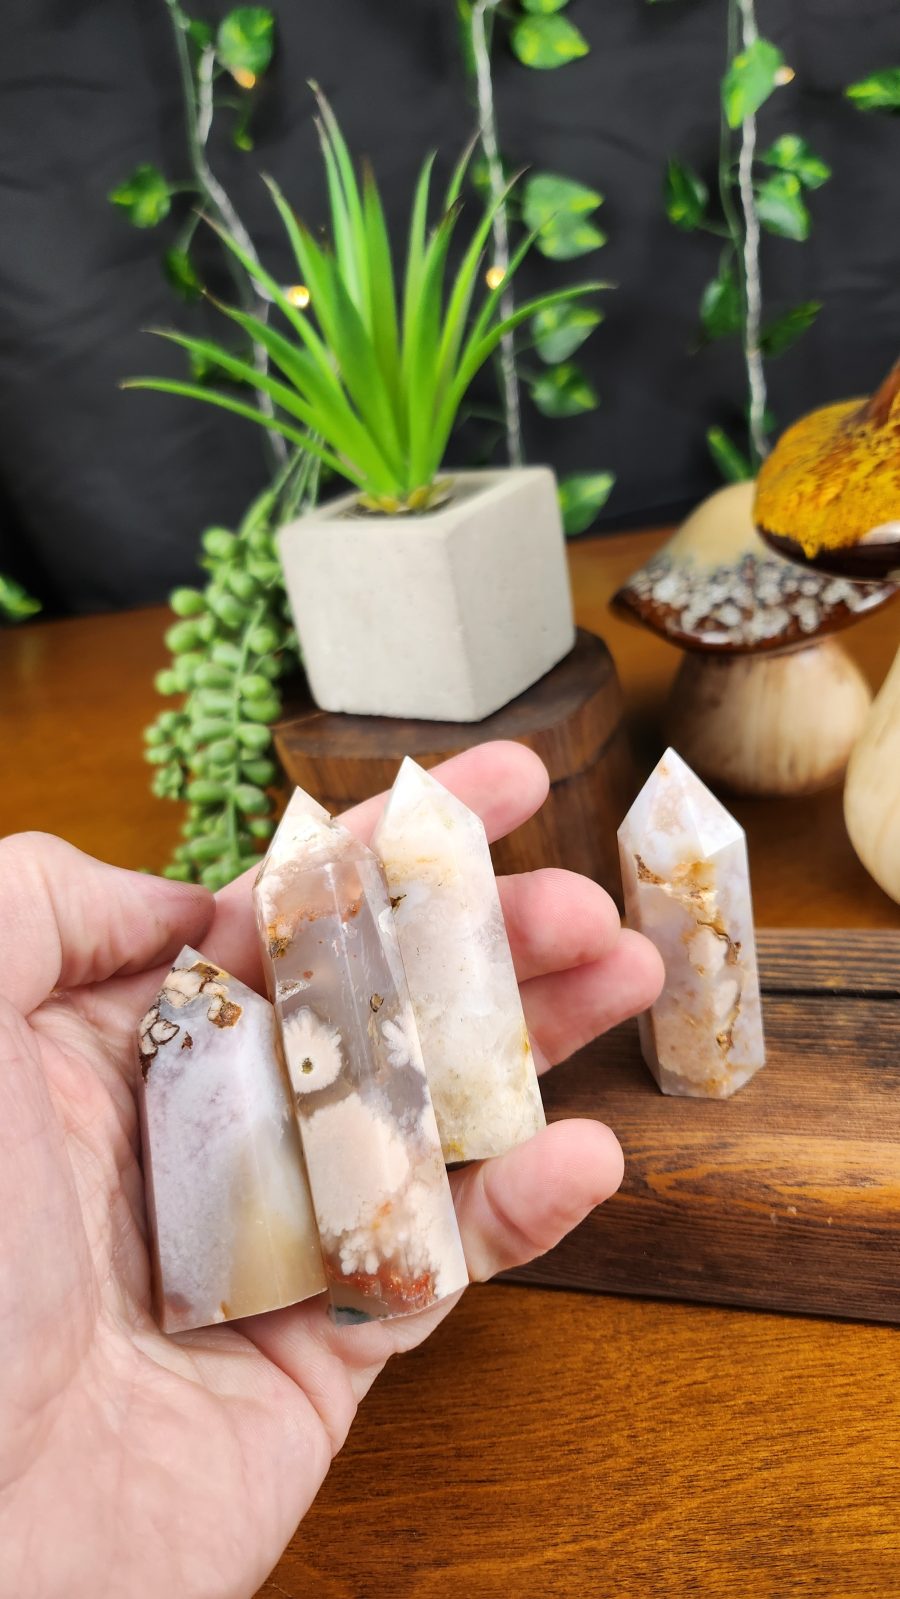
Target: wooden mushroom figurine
765, 700
829, 496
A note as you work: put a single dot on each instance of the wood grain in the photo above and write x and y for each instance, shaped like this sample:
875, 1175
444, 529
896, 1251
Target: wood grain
572, 719
786, 1197
544, 1442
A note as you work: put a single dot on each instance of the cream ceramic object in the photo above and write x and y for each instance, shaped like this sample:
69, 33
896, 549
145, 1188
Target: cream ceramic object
872, 791
444, 616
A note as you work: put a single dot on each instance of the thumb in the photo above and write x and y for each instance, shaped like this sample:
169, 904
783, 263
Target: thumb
67, 919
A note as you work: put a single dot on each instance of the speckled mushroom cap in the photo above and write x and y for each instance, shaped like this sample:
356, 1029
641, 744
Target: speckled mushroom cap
829, 493
716, 586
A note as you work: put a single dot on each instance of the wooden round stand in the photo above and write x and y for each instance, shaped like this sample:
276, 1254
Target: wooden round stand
572, 719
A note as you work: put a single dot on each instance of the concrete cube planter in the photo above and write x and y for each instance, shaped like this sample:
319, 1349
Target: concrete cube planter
445, 616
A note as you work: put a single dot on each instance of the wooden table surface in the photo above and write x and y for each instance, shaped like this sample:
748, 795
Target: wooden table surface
547, 1443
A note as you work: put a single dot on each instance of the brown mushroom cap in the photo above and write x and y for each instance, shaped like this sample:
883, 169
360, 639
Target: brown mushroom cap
717, 587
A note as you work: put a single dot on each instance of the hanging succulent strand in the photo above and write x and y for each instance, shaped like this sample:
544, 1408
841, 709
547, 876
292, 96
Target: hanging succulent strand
752, 330
481, 29
198, 110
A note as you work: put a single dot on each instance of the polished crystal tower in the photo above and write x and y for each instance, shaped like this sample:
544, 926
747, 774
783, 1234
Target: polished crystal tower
231, 1221
458, 963
380, 1190
687, 888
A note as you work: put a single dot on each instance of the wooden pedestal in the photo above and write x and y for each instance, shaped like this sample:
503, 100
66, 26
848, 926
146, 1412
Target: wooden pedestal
572, 719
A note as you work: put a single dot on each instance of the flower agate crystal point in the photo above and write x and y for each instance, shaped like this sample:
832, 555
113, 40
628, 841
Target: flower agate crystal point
458, 962
687, 888
380, 1190
231, 1220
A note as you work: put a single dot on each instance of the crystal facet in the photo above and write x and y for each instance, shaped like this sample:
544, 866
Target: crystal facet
461, 979
232, 1227
687, 887
380, 1191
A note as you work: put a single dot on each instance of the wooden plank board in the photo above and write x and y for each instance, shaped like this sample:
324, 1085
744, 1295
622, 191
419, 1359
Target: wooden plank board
786, 1197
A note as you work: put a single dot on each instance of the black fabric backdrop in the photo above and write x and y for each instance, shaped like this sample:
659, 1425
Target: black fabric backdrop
103, 494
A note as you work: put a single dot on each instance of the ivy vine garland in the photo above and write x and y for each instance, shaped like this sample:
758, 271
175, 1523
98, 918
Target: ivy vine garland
757, 191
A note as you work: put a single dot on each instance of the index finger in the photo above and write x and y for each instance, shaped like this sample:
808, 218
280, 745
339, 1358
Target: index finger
503, 782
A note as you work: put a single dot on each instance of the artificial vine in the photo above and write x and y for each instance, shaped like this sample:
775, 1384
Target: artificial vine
559, 211
757, 191
232, 641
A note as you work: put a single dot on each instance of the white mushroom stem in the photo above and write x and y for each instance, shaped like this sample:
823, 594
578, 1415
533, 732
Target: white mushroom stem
773, 724
872, 792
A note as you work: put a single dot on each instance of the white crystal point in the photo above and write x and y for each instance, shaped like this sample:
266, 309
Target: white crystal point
462, 982
380, 1191
231, 1219
687, 888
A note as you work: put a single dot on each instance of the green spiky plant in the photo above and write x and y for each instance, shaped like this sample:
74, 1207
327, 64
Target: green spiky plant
370, 379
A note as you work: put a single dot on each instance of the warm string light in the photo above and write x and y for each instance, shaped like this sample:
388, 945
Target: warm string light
298, 295
494, 277
784, 75
244, 78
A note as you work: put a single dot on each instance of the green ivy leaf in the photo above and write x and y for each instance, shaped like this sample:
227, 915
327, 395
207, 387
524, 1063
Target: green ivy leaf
733, 465
245, 40
179, 269
751, 78
15, 602
543, 8
560, 329
779, 202
780, 334
581, 496
559, 209
145, 197
720, 305
793, 154
545, 42
200, 32
880, 92
563, 391
686, 195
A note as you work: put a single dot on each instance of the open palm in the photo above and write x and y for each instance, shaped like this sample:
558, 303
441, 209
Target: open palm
136, 1464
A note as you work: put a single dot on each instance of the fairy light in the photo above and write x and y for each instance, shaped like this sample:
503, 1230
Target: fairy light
298, 295
784, 75
494, 277
244, 78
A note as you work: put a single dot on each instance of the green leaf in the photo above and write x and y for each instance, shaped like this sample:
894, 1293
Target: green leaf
546, 42
179, 270
245, 40
260, 771
249, 798
879, 92
187, 602
780, 205
145, 197
543, 8
15, 603
200, 32
686, 195
793, 154
219, 542
751, 78
559, 330
253, 737
734, 466
263, 640
780, 334
721, 306
203, 791
563, 391
581, 496
182, 636
262, 711
557, 209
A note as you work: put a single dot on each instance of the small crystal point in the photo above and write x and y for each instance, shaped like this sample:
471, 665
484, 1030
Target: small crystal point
687, 888
461, 977
231, 1220
380, 1191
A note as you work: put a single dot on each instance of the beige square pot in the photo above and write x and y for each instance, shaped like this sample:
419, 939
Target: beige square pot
445, 616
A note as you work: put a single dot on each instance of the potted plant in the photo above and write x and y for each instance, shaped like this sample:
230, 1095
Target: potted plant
421, 593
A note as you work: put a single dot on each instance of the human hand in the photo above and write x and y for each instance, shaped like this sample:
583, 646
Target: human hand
136, 1464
